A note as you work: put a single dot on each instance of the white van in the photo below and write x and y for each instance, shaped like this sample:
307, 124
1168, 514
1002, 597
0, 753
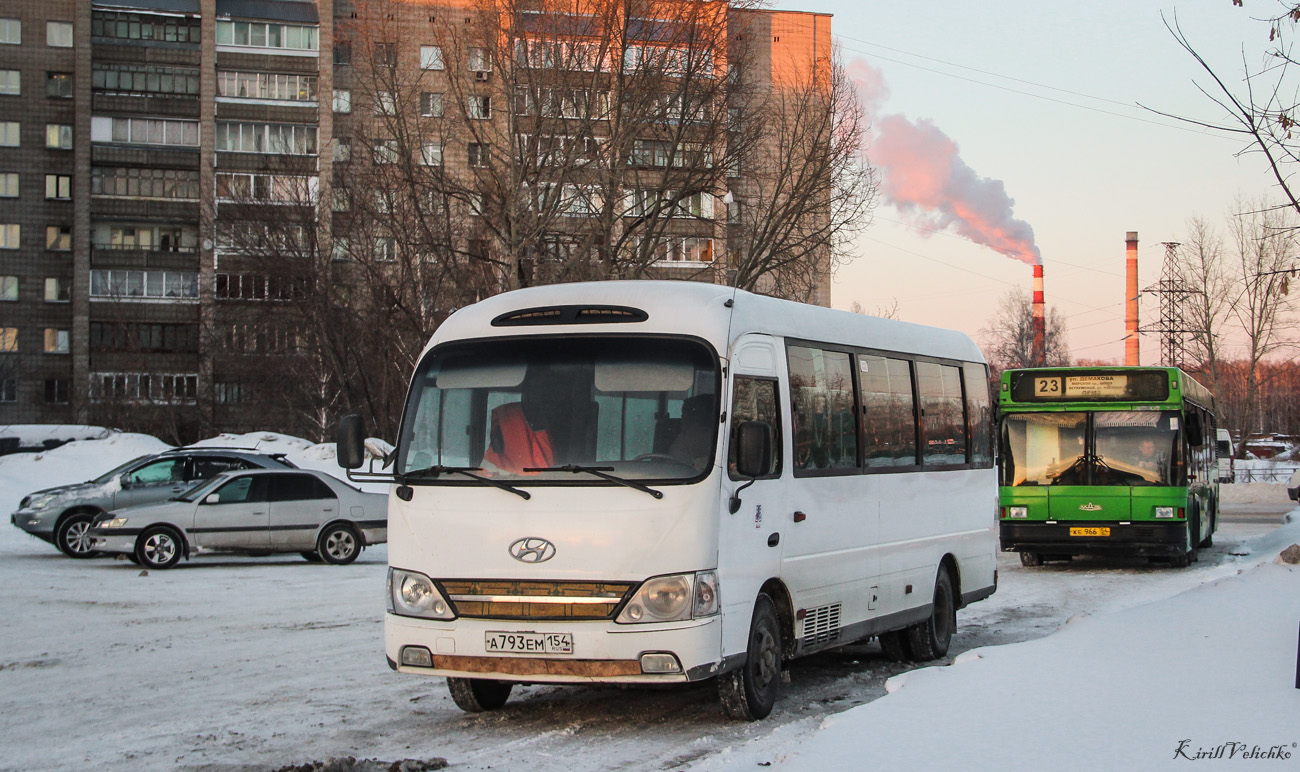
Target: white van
1226, 453
665, 482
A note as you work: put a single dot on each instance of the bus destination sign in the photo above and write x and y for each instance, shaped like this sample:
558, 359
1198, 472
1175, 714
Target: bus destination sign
1061, 386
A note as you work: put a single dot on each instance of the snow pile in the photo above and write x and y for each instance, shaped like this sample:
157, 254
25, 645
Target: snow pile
22, 473
1207, 675
36, 435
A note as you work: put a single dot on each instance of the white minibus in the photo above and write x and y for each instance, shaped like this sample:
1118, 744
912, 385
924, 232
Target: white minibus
651, 482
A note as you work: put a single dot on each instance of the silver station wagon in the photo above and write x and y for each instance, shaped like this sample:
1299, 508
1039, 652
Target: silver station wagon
256, 511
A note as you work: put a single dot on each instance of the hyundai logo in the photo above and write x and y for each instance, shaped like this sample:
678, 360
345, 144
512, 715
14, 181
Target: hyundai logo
531, 549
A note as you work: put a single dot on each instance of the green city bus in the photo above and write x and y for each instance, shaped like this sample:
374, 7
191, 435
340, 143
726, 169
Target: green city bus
1106, 461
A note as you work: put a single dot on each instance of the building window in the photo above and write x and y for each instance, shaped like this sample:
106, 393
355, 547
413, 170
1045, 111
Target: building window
8, 339
385, 151
266, 85
228, 393
168, 285
8, 288
11, 82
58, 84
11, 32
385, 103
256, 34
431, 154
431, 58
478, 154
272, 188
147, 79
9, 134
56, 341
8, 184
385, 55
57, 290
136, 26
57, 391
431, 104
342, 149
145, 131
277, 138
479, 107
58, 237
58, 186
58, 34
9, 390
342, 52
156, 388
342, 100
58, 136
138, 337
137, 182
10, 235
479, 60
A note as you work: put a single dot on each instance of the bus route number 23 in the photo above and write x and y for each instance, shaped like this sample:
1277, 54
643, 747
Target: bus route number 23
1047, 387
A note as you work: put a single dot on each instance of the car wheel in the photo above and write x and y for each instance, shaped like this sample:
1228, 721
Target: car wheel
475, 695
749, 692
1031, 559
72, 537
930, 639
338, 544
311, 557
159, 547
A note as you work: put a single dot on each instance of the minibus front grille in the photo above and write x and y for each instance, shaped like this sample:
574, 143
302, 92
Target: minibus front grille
503, 599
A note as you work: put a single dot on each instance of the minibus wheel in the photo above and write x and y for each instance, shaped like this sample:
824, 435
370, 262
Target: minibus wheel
895, 645
749, 692
475, 695
929, 639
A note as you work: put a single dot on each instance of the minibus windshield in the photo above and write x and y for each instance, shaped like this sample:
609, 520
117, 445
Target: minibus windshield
517, 410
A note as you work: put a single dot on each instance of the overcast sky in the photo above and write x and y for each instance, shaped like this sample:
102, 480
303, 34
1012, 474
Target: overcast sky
1043, 98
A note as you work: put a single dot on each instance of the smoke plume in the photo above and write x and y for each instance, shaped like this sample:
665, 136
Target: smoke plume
925, 179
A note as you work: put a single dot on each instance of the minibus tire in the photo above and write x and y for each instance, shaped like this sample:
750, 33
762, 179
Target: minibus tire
749, 692
930, 639
894, 644
476, 695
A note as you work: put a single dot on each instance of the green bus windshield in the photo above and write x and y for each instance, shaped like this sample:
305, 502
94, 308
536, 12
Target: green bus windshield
1129, 448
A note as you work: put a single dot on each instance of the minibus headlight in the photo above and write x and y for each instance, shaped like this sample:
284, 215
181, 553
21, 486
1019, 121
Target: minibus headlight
1019, 513
1165, 513
673, 598
415, 595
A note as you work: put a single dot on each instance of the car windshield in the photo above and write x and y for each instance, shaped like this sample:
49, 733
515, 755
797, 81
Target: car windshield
1103, 448
635, 408
203, 487
115, 471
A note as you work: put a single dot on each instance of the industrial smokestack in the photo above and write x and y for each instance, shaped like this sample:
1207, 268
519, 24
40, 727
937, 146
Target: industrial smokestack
1131, 353
1040, 321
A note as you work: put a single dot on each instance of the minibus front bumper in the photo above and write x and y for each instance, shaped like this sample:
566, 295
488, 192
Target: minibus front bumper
602, 651
1096, 538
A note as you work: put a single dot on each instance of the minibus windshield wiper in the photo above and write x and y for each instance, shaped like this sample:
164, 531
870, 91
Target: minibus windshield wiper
598, 471
468, 471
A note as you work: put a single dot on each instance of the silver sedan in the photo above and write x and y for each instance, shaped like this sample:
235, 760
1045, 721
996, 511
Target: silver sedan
255, 511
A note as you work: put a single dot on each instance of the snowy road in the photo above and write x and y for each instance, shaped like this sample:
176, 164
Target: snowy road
253, 664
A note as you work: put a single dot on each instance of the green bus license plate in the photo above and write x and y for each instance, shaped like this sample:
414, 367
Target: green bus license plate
1090, 532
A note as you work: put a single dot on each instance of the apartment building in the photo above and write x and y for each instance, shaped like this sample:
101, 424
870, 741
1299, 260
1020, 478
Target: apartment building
161, 161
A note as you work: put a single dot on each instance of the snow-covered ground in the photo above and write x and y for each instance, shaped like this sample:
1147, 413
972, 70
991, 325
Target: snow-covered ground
231, 663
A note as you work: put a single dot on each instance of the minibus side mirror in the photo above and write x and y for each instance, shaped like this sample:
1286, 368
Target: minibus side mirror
754, 449
351, 439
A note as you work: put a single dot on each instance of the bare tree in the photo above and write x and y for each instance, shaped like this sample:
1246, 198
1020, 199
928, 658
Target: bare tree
1262, 243
1008, 340
1202, 267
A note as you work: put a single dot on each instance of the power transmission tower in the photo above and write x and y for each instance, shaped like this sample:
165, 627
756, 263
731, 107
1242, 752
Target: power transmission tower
1173, 293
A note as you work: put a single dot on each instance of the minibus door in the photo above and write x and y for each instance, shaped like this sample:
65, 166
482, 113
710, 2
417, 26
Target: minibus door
750, 537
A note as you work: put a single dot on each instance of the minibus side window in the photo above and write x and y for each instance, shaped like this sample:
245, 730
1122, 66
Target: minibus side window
943, 415
888, 412
754, 399
822, 409
979, 415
